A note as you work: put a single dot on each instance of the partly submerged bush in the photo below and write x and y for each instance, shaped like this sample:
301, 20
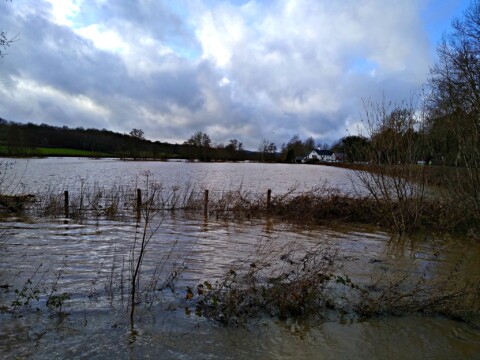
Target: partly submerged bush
452, 295
300, 284
281, 285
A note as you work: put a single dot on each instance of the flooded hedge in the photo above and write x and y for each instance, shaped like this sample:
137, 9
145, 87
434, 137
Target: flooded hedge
319, 205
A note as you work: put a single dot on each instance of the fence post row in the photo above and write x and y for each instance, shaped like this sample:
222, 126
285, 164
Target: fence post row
139, 202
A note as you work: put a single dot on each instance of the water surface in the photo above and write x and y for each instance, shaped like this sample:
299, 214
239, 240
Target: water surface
70, 173
89, 259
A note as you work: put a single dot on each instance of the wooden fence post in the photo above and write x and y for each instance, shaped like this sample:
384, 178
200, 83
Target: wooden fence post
66, 204
139, 203
205, 203
269, 197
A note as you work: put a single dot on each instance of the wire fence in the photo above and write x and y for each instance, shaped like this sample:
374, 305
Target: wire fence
98, 202
127, 202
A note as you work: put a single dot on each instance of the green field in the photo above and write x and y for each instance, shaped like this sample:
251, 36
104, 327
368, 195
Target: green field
70, 152
32, 152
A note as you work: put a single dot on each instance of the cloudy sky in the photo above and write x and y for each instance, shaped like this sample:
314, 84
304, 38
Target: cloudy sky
233, 69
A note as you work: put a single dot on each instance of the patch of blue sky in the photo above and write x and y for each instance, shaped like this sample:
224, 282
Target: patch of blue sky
239, 2
190, 53
189, 49
363, 66
437, 16
179, 8
86, 15
233, 2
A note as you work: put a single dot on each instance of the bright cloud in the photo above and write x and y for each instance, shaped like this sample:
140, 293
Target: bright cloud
103, 39
63, 12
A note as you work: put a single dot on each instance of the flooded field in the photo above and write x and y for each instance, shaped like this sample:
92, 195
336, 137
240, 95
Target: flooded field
89, 262
71, 173
65, 283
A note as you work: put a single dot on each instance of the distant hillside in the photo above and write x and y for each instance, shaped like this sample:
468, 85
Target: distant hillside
44, 140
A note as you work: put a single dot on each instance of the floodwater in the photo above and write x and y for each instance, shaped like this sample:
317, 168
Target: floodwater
90, 261
70, 173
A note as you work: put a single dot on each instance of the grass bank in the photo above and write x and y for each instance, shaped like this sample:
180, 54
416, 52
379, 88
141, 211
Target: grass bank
51, 152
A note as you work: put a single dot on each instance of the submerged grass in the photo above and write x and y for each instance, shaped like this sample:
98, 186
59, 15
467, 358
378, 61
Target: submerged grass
318, 205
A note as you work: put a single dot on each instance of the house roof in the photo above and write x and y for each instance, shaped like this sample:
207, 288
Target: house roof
323, 152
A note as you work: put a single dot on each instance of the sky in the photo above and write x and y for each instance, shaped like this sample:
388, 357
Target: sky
234, 69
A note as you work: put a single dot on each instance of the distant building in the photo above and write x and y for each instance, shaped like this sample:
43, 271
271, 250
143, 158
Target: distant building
320, 155
324, 156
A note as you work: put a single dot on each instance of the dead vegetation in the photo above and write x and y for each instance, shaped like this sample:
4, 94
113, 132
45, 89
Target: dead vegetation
453, 295
311, 283
320, 205
284, 283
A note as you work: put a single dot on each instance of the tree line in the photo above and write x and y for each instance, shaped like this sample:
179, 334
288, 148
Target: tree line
18, 139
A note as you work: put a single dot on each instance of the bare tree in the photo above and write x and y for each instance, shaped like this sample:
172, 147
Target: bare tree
5, 42
393, 179
267, 150
234, 149
296, 148
454, 102
137, 134
200, 146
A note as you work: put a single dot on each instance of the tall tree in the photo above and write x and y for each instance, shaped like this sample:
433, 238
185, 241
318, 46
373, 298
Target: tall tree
199, 139
199, 146
455, 98
354, 147
397, 185
234, 149
455, 79
296, 147
137, 134
267, 150
137, 137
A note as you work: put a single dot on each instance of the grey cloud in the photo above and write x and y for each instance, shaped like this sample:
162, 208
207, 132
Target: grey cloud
53, 55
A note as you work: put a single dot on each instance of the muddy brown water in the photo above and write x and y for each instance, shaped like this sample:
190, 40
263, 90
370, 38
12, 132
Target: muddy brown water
97, 325
89, 260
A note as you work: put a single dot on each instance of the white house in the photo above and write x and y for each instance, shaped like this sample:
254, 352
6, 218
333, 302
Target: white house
321, 155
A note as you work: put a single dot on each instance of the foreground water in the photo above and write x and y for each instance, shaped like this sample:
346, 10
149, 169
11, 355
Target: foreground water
88, 259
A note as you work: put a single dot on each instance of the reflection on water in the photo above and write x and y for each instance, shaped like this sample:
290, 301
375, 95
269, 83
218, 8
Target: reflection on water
90, 261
